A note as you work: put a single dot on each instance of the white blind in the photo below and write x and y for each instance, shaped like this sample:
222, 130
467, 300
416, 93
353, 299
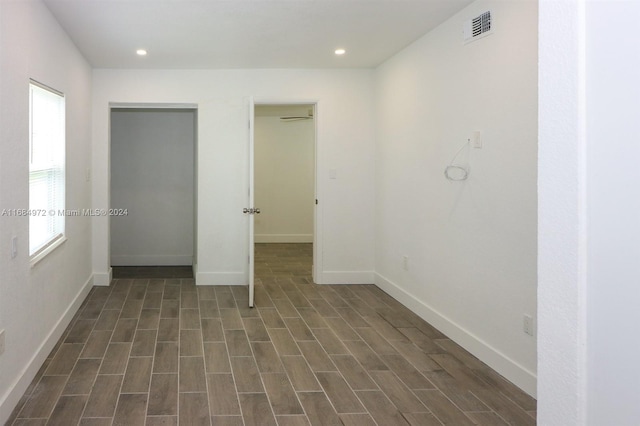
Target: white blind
46, 167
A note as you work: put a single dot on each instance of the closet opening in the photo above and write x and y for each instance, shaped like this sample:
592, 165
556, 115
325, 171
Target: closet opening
153, 189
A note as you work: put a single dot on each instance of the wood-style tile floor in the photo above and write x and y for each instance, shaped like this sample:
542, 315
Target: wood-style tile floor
165, 352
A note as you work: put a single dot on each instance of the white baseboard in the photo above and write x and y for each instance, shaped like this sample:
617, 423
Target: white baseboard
221, 278
283, 238
12, 396
345, 277
175, 260
102, 278
514, 372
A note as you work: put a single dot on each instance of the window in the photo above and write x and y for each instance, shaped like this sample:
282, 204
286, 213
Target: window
46, 169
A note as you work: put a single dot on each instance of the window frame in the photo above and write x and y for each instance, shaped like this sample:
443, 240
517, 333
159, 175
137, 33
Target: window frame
54, 170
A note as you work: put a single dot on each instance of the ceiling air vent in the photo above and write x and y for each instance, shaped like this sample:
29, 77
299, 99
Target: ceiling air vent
478, 27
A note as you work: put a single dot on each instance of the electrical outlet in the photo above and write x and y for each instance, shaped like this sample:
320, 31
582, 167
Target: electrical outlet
405, 263
1, 342
527, 325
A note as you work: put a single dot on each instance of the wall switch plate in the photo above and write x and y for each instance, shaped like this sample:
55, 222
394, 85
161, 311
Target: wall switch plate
1, 342
527, 325
476, 139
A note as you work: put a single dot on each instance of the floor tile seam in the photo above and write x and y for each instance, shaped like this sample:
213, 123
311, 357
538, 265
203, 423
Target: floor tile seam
456, 405
434, 416
289, 415
471, 391
30, 418
412, 391
378, 298
153, 361
75, 394
56, 375
479, 411
68, 376
307, 323
502, 392
178, 344
401, 355
233, 376
202, 347
115, 412
95, 379
350, 353
306, 362
324, 371
286, 375
107, 374
338, 371
337, 412
254, 393
510, 398
96, 417
483, 383
153, 357
264, 388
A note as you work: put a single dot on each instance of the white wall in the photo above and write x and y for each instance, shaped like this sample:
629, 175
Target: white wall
562, 238
152, 176
613, 206
588, 229
284, 179
471, 245
345, 143
36, 304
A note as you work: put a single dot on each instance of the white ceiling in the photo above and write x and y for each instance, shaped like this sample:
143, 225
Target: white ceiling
247, 33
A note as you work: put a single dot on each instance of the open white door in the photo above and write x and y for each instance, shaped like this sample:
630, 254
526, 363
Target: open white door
251, 210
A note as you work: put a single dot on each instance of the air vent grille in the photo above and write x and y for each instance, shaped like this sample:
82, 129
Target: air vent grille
481, 24
477, 27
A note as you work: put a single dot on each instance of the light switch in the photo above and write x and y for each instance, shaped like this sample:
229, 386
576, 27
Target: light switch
476, 139
333, 173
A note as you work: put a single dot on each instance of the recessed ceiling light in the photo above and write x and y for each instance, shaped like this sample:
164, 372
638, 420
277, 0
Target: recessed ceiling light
340, 52
141, 52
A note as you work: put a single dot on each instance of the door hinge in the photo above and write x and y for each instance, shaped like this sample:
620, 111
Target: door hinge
316, 201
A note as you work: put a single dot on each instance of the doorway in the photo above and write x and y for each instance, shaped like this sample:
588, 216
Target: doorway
153, 189
284, 179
